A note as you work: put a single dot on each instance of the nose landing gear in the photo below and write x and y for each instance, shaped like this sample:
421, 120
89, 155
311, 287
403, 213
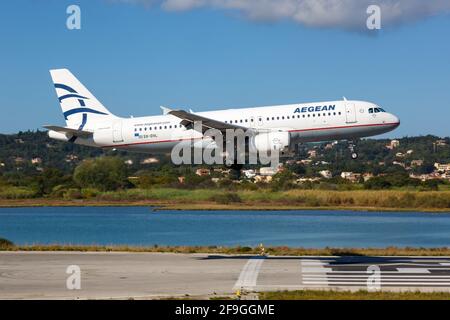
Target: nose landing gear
352, 148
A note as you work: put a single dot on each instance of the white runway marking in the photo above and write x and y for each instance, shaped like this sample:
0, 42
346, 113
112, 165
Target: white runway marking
249, 274
413, 270
314, 267
324, 273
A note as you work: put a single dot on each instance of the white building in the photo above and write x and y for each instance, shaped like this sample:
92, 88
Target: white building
326, 174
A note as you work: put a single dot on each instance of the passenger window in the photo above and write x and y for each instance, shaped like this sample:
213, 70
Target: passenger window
339, 113
273, 118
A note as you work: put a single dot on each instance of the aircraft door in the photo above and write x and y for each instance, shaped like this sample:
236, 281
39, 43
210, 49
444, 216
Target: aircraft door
117, 131
350, 112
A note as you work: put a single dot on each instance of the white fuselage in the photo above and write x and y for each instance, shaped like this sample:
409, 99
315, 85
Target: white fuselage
310, 122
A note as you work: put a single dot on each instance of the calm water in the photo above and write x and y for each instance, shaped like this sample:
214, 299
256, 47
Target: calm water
141, 226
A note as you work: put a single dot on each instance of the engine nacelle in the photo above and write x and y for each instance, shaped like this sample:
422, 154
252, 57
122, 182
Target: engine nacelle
58, 136
271, 141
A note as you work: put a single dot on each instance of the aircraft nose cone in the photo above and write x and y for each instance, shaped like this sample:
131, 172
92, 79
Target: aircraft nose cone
394, 120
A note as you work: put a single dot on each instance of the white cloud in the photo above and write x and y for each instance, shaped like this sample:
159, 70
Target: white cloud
343, 14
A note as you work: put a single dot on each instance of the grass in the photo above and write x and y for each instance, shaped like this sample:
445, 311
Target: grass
5, 244
275, 251
262, 199
348, 295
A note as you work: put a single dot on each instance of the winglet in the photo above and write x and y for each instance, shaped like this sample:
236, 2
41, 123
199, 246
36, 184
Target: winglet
165, 110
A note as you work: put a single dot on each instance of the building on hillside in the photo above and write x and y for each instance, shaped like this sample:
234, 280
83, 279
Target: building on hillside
71, 158
128, 162
367, 176
398, 163
442, 167
262, 179
326, 174
351, 176
441, 142
393, 144
203, 172
303, 180
249, 174
36, 160
312, 153
416, 163
268, 171
18, 160
150, 160
304, 161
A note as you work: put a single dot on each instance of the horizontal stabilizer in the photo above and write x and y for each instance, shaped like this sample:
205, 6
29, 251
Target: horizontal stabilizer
78, 133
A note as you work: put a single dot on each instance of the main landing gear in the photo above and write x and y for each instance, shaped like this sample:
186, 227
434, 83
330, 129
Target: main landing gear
352, 148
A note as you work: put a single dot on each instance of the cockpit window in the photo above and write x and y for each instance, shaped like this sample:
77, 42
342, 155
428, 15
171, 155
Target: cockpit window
370, 110
382, 110
376, 110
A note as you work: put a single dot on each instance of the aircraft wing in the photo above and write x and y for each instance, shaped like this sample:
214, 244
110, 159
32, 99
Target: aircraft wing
78, 133
207, 123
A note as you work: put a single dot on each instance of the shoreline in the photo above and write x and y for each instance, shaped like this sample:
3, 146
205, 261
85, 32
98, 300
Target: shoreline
203, 206
282, 251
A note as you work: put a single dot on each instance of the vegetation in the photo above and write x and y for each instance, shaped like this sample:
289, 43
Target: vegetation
63, 173
104, 174
275, 251
6, 244
210, 199
348, 295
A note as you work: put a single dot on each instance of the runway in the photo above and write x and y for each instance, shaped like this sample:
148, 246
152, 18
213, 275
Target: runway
104, 275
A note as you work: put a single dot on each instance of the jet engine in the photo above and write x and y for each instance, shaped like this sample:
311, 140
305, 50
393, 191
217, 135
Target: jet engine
271, 141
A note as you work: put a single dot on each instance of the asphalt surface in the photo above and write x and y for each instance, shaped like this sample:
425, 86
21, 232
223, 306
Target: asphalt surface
42, 275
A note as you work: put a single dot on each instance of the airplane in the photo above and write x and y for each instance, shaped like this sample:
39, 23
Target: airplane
280, 127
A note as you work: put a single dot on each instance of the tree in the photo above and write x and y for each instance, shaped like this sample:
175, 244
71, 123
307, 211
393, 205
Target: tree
105, 174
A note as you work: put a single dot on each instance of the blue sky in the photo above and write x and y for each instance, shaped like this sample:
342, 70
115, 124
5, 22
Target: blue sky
135, 58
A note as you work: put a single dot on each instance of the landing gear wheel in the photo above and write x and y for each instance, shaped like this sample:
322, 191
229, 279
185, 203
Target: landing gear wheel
352, 148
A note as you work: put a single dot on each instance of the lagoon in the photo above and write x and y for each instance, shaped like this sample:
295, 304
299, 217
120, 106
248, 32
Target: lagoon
141, 226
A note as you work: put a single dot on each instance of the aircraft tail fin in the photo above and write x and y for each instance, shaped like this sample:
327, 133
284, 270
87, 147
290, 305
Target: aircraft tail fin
79, 106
